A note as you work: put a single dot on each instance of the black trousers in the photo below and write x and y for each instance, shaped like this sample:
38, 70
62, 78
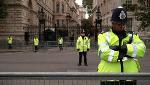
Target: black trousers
80, 57
35, 48
60, 47
9, 46
122, 82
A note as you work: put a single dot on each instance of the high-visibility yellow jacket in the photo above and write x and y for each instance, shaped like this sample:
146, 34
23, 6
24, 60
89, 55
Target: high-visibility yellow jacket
60, 40
109, 58
9, 40
82, 44
36, 41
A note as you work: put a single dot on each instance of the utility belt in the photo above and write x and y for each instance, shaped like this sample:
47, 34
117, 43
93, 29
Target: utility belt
127, 58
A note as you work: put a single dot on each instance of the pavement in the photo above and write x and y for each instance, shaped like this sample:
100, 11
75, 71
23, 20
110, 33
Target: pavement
52, 60
11, 50
18, 49
46, 60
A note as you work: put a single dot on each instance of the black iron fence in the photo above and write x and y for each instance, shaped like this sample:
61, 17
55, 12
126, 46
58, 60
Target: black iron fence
51, 33
17, 44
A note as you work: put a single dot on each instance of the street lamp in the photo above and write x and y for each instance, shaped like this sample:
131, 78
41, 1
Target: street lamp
26, 35
68, 17
98, 22
41, 14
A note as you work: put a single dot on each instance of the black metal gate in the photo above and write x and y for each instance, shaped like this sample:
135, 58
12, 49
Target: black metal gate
50, 33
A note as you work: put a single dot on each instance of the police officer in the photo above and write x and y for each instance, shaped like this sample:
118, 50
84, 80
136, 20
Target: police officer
36, 43
119, 50
82, 46
60, 43
9, 41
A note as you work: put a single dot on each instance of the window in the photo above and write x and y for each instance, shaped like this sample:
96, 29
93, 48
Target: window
129, 24
62, 8
128, 1
30, 4
44, 1
57, 22
57, 8
62, 22
147, 3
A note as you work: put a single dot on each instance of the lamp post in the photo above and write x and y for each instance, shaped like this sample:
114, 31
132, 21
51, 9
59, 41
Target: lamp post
26, 35
41, 14
68, 17
98, 22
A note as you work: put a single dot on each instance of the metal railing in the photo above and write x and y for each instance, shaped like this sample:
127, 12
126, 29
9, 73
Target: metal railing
48, 44
66, 44
68, 78
55, 44
146, 41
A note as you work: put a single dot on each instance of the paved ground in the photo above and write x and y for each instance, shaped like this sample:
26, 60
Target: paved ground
46, 60
52, 60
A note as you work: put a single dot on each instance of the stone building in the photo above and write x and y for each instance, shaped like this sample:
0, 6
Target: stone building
82, 12
66, 18
36, 17
25, 15
106, 8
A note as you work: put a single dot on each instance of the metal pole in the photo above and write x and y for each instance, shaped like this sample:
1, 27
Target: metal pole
96, 31
39, 31
68, 28
73, 76
100, 30
55, 32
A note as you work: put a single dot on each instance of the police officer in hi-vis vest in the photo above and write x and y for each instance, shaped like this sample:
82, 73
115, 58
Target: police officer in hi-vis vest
119, 50
82, 46
60, 43
9, 42
36, 43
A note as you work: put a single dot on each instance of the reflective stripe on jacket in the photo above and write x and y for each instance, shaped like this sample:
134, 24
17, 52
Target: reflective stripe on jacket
109, 57
82, 44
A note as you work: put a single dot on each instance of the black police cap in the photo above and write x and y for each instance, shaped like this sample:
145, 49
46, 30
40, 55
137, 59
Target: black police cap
119, 15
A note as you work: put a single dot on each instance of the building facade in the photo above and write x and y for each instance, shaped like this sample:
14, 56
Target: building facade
37, 16
26, 15
82, 12
106, 8
66, 18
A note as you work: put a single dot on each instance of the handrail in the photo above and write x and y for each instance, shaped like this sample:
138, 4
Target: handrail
74, 76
